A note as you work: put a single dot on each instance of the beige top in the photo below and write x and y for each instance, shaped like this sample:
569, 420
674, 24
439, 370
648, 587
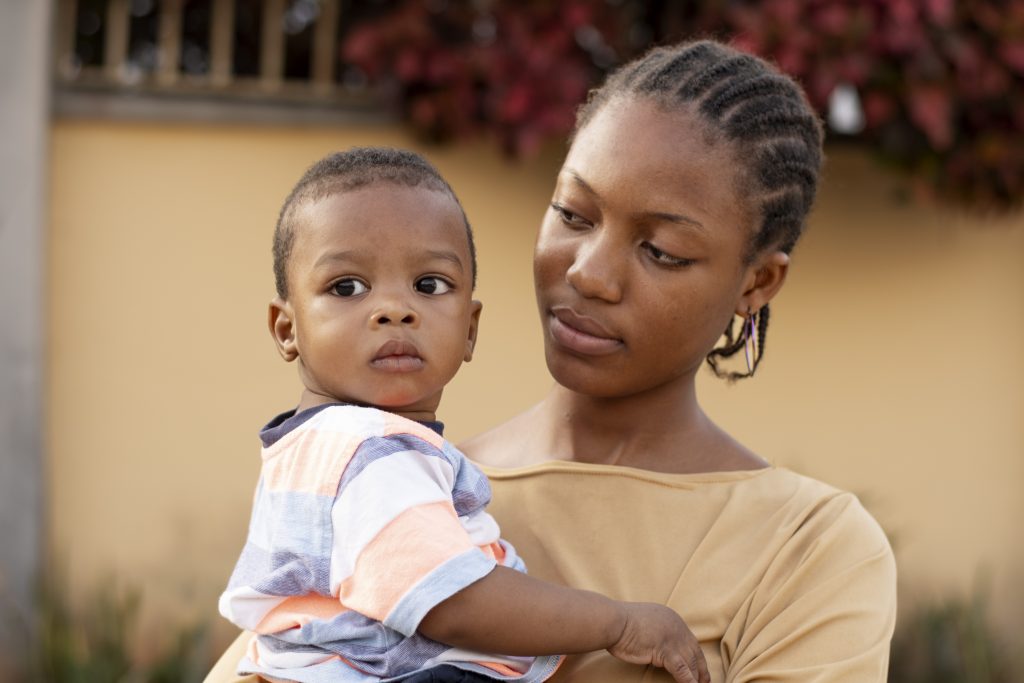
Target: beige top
781, 577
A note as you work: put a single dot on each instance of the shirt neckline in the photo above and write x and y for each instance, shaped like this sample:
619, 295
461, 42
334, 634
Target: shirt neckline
597, 469
285, 422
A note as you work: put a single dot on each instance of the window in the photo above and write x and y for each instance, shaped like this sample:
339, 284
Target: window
208, 58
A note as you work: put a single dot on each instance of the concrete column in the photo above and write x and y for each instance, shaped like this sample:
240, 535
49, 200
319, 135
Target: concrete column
25, 33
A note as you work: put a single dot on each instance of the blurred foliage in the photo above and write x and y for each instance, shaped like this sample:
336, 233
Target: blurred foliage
514, 69
949, 642
941, 82
95, 640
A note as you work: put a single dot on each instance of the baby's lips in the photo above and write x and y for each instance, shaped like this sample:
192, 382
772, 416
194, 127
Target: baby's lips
397, 347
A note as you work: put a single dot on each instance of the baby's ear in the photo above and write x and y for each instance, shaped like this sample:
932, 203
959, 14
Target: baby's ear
474, 327
282, 328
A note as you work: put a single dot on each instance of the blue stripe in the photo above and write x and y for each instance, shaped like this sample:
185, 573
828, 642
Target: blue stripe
281, 573
295, 522
368, 644
375, 448
443, 582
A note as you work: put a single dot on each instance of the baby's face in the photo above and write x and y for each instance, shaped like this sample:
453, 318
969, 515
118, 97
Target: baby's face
380, 296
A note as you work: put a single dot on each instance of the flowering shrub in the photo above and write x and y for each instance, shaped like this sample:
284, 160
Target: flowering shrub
517, 70
940, 84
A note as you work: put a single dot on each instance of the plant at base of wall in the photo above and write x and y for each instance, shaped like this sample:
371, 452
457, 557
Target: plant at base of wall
94, 639
949, 642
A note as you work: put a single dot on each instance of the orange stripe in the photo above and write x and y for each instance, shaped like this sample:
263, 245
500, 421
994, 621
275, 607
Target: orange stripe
500, 668
297, 611
252, 651
410, 547
494, 550
394, 424
314, 464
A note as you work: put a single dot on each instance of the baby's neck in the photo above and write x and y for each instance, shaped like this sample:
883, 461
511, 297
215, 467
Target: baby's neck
311, 399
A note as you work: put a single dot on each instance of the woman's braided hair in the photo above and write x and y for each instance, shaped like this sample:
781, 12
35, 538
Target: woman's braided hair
764, 113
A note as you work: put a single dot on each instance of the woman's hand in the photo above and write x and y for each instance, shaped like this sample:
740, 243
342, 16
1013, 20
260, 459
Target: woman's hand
654, 634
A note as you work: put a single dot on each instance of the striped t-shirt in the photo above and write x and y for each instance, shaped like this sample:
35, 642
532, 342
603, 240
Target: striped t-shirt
362, 522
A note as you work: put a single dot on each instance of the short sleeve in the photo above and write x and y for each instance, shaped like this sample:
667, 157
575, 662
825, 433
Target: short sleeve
825, 609
398, 547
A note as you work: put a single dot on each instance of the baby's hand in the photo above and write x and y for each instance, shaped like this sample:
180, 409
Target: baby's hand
654, 634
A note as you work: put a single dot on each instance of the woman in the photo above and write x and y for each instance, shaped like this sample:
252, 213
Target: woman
687, 185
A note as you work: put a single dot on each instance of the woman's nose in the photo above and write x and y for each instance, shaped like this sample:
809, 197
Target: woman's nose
596, 270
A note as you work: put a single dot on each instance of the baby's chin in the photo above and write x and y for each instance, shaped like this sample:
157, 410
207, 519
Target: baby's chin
399, 402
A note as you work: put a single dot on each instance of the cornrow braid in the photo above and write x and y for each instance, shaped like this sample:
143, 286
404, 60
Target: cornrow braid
762, 112
733, 345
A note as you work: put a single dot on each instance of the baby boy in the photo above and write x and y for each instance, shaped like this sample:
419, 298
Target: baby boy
370, 554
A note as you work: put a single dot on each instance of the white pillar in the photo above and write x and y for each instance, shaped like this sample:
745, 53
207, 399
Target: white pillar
25, 32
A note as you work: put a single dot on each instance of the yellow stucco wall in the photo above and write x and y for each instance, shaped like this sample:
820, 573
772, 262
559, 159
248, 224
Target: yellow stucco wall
893, 368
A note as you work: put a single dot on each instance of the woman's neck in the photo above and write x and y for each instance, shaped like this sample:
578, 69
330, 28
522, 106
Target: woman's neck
662, 430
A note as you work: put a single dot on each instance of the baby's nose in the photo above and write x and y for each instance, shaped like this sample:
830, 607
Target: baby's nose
394, 315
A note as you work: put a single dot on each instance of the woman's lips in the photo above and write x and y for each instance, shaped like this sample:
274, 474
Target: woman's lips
581, 334
397, 356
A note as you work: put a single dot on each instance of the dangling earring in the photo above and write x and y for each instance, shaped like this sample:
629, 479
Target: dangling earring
750, 341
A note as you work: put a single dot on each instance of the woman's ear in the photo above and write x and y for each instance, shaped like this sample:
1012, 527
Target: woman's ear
282, 328
474, 327
764, 279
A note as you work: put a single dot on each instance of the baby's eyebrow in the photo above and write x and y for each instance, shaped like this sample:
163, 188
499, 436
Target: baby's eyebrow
347, 255
447, 256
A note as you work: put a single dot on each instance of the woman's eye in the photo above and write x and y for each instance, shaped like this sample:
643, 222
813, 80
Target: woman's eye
432, 285
568, 217
664, 258
349, 287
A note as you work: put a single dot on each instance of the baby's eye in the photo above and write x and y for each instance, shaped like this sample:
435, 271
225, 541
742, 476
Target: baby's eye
349, 286
432, 284
664, 258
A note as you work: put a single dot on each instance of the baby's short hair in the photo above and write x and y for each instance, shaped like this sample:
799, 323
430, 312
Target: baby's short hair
349, 170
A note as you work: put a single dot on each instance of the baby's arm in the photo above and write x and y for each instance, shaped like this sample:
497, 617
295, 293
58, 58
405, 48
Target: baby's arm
401, 556
513, 613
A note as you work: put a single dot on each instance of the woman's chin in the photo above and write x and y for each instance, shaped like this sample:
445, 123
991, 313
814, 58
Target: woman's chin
583, 376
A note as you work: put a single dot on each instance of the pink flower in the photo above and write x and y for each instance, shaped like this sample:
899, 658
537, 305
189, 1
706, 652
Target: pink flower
1013, 55
931, 110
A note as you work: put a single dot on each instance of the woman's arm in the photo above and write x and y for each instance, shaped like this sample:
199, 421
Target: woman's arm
224, 671
825, 610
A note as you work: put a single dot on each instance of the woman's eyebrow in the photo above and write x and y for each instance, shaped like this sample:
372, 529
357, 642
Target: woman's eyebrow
677, 218
668, 217
581, 182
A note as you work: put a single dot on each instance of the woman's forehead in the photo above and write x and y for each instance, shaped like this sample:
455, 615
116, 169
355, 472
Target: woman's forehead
635, 151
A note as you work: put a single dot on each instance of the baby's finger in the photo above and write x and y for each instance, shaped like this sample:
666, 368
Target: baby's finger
680, 670
699, 666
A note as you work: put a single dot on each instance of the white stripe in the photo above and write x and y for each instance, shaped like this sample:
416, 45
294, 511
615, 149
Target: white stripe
246, 607
520, 664
383, 490
365, 422
285, 659
481, 527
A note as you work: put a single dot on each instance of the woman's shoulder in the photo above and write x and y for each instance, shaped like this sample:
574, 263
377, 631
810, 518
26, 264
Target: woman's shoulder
822, 520
506, 445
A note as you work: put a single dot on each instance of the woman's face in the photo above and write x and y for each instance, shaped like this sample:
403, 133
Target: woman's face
639, 264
